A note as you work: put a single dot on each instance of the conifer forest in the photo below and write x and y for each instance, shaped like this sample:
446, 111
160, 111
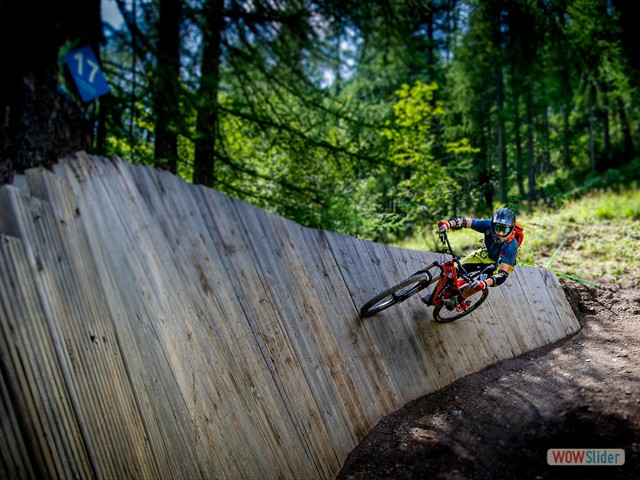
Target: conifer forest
370, 118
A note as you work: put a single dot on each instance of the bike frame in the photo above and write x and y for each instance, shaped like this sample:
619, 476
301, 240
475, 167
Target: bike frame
451, 282
448, 276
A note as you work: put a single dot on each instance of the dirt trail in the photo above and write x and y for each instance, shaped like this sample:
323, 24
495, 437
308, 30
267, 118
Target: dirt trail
582, 392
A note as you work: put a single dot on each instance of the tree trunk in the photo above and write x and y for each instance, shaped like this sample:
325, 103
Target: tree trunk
518, 145
567, 93
337, 83
207, 122
167, 90
452, 16
100, 144
431, 46
592, 128
501, 149
606, 130
38, 123
486, 174
530, 145
626, 131
566, 145
546, 158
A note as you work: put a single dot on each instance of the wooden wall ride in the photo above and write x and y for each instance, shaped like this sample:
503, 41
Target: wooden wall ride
155, 329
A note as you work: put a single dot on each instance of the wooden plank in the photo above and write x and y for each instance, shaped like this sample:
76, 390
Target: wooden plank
359, 270
14, 456
544, 314
336, 324
93, 343
289, 362
519, 310
309, 332
560, 302
38, 397
240, 340
398, 336
213, 407
262, 375
504, 309
231, 336
123, 269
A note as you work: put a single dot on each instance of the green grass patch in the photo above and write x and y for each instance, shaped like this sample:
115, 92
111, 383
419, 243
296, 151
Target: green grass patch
595, 238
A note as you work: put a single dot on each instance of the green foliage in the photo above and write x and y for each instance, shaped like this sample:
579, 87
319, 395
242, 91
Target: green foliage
382, 151
423, 183
411, 144
594, 238
598, 233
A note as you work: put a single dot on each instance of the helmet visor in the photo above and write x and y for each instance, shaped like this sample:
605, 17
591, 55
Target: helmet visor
501, 229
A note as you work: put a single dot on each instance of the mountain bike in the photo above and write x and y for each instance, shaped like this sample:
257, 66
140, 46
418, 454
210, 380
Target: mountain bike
449, 278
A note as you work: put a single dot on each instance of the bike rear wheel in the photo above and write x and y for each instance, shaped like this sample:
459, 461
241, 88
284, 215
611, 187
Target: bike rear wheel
397, 293
442, 315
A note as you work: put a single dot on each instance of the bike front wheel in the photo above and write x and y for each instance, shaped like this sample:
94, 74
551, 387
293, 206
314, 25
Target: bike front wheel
397, 293
443, 315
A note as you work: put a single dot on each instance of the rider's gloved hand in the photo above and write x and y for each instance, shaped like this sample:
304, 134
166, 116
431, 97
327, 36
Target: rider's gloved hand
445, 225
478, 285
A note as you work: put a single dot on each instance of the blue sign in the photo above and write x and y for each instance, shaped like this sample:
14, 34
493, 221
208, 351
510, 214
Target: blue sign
87, 74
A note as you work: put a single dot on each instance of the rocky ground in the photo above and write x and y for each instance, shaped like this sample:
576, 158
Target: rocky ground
582, 392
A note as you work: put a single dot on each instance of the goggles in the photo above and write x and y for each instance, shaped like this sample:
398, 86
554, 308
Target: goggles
501, 229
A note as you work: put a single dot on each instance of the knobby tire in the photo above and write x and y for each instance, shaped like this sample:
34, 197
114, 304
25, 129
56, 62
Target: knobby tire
397, 293
442, 315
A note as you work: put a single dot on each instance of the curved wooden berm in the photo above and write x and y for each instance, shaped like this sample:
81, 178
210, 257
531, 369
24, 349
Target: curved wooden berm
154, 329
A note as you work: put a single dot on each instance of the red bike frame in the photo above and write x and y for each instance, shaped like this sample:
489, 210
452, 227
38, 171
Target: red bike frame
450, 284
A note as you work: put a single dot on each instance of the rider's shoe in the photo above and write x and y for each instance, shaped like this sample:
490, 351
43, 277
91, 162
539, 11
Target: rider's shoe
452, 302
425, 298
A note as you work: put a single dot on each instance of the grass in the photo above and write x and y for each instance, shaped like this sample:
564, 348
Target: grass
595, 238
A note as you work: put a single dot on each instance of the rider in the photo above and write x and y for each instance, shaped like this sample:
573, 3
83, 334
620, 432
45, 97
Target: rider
499, 250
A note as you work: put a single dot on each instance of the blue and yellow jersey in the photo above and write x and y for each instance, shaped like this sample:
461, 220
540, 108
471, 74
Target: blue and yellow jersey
507, 250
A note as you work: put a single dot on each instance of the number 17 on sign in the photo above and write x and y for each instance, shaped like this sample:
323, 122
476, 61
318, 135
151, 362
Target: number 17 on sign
86, 73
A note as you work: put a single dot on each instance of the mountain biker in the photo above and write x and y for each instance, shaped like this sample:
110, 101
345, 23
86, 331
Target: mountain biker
499, 251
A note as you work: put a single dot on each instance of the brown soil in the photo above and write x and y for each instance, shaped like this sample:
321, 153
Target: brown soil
581, 392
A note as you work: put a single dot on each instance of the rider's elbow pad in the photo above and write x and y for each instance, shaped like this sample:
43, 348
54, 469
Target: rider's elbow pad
499, 278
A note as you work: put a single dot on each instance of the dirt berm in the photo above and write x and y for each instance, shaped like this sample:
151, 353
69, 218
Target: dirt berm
582, 392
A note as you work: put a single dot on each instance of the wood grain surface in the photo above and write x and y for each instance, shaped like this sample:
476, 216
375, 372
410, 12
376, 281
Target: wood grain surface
153, 329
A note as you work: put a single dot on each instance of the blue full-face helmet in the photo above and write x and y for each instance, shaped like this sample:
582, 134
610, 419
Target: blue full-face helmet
502, 224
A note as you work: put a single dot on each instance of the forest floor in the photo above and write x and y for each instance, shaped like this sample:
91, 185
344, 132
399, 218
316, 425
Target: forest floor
581, 392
